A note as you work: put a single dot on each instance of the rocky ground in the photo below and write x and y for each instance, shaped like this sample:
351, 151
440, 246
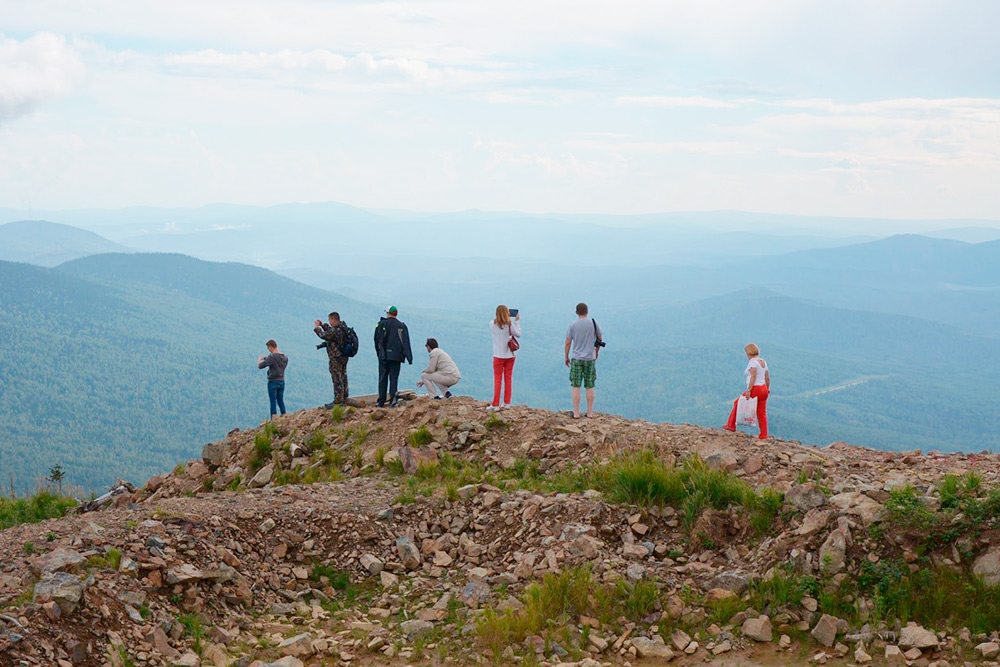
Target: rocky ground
435, 534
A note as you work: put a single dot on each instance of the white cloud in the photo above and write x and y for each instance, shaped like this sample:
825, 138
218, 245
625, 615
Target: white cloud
692, 101
34, 71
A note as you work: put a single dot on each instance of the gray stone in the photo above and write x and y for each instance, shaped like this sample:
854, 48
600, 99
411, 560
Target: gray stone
409, 555
734, 582
184, 574
825, 631
58, 560
475, 593
413, 458
833, 553
371, 564
468, 491
758, 629
299, 645
860, 505
915, 636
635, 572
805, 497
649, 648
722, 461
989, 650
415, 628
987, 567
263, 476
62, 588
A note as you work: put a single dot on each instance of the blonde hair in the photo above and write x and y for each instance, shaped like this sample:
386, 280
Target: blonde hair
752, 350
503, 316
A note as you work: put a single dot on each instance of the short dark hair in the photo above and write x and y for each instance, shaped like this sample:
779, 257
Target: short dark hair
271, 343
335, 315
432, 343
581, 308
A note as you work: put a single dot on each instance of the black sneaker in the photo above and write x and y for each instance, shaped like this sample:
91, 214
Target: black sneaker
437, 398
447, 394
394, 403
380, 404
328, 406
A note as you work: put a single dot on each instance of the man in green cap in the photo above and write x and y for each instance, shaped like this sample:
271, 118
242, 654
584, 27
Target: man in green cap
392, 345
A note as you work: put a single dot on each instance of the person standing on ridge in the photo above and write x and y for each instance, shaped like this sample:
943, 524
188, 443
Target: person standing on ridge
335, 335
505, 331
441, 373
584, 340
758, 377
275, 362
392, 345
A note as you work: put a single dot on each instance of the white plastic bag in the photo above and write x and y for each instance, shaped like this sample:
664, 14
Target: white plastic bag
746, 411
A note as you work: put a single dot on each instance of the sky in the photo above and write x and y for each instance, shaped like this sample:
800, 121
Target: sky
887, 108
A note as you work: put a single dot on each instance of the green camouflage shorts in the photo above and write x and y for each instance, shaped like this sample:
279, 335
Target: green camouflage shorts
583, 371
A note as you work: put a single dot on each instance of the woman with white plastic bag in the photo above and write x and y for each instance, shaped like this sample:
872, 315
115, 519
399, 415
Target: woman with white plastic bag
750, 409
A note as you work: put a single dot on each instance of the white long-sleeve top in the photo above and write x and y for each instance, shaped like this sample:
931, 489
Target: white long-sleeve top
500, 337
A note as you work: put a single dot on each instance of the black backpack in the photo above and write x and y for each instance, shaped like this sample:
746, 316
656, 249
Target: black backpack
350, 346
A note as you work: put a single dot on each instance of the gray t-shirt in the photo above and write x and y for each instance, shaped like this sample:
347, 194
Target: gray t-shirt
581, 332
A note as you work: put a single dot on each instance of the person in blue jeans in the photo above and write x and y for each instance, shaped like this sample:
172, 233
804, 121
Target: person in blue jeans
275, 363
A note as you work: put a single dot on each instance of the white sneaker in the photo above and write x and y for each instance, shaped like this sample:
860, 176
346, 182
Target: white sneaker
492, 408
506, 406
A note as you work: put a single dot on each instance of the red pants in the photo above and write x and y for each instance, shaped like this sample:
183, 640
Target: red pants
760, 393
503, 371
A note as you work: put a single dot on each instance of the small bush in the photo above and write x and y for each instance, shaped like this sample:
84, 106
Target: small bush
261, 450
420, 437
33, 509
194, 628
495, 423
904, 509
110, 560
317, 441
337, 413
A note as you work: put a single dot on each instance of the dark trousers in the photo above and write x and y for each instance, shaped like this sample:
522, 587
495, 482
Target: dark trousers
276, 393
338, 373
388, 376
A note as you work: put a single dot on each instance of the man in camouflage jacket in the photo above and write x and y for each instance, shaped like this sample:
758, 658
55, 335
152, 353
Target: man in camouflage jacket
335, 333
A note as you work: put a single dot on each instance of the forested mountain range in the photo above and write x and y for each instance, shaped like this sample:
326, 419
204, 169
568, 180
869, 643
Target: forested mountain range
139, 358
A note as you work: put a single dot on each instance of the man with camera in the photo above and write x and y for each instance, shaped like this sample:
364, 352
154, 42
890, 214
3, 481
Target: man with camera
584, 340
336, 337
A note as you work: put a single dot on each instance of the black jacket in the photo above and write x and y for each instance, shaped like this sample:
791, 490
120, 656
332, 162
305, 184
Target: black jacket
392, 341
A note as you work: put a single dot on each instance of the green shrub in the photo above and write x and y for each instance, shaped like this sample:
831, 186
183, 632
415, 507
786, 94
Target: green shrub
110, 560
337, 413
261, 450
420, 437
194, 628
495, 423
317, 441
33, 509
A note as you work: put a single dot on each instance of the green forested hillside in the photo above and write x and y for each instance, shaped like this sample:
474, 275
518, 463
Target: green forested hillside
124, 365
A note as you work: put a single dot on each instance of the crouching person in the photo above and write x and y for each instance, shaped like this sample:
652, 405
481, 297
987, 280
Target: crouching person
441, 373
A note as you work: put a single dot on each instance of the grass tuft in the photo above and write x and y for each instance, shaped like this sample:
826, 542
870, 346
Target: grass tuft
33, 509
419, 437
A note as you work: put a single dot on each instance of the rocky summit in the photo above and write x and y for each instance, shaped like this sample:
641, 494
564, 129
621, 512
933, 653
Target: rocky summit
437, 533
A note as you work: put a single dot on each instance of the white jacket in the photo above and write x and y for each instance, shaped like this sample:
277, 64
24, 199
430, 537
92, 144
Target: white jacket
500, 337
441, 362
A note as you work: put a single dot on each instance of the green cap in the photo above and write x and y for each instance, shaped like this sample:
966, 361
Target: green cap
391, 310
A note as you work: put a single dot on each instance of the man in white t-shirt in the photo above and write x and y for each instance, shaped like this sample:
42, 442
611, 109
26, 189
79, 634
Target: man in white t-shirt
584, 339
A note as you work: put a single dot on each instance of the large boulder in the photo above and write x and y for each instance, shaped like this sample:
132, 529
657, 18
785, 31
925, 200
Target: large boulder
652, 648
859, 505
65, 589
413, 458
58, 560
987, 567
825, 631
805, 497
758, 629
915, 636
214, 453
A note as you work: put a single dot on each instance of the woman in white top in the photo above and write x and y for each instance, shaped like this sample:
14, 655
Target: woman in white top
441, 373
758, 378
503, 329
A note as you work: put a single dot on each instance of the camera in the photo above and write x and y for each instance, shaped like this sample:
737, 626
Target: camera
600, 343
322, 345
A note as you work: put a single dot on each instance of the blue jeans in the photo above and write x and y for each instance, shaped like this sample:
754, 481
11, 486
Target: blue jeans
276, 392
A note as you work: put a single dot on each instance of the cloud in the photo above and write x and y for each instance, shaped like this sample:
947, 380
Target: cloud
691, 101
35, 71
